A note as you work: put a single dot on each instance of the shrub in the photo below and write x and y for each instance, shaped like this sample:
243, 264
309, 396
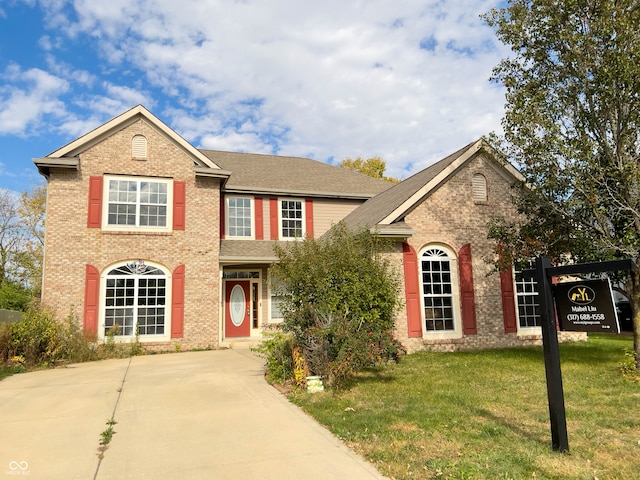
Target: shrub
40, 340
14, 296
36, 338
277, 350
339, 298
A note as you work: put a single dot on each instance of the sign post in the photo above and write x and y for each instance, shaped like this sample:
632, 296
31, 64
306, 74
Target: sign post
555, 392
543, 273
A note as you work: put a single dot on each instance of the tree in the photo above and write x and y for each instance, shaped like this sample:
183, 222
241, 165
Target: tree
11, 234
572, 126
31, 210
339, 296
373, 167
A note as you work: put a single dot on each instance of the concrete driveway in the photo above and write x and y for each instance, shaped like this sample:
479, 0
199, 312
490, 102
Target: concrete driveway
195, 415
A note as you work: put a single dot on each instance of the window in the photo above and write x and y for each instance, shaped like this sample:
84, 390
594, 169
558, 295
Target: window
239, 218
437, 290
135, 301
527, 303
278, 297
291, 219
137, 203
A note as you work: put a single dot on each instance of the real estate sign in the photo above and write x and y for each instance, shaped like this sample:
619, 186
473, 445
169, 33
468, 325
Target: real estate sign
586, 306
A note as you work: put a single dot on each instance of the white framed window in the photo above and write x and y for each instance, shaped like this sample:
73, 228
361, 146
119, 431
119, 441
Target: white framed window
277, 296
292, 222
137, 203
239, 217
440, 297
527, 303
135, 302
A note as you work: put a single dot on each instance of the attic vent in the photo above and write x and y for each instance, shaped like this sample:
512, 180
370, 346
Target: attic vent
479, 188
139, 146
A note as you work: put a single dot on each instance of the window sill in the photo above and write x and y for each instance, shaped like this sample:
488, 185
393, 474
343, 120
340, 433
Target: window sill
531, 333
137, 232
442, 338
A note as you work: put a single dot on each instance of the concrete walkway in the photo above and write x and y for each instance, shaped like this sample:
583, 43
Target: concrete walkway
195, 415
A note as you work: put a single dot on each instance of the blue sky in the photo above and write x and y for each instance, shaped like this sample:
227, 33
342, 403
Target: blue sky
405, 80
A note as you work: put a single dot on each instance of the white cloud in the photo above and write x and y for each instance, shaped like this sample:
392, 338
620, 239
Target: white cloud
323, 79
26, 96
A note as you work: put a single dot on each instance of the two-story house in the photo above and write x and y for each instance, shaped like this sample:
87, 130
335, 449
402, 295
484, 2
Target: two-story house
148, 237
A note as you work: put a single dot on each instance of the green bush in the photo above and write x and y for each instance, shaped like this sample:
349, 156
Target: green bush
339, 298
40, 340
277, 350
14, 296
35, 340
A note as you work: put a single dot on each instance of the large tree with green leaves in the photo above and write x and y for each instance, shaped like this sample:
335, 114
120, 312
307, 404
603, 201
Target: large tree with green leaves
373, 167
572, 126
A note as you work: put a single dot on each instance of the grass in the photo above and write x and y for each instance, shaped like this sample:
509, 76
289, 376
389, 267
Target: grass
484, 415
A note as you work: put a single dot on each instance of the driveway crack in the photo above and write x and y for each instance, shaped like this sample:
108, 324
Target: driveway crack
107, 434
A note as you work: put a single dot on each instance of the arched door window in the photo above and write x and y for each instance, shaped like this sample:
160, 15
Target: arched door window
437, 290
135, 300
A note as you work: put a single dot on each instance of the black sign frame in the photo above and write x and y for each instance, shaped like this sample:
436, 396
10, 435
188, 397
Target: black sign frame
543, 273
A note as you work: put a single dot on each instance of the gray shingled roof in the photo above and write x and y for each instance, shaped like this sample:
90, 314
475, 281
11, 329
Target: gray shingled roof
294, 175
247, 250
374, 210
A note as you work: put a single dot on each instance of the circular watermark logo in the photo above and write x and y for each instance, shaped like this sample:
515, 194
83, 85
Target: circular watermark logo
18, 468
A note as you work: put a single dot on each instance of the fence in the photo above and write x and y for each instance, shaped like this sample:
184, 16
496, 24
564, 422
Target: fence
9, 316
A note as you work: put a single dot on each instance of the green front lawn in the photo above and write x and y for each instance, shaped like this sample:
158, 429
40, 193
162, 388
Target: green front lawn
484, 415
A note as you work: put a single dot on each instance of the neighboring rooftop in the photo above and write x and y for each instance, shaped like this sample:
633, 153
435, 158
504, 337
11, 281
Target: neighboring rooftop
275, 174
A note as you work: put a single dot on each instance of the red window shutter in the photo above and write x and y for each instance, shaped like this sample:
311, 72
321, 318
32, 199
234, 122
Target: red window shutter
508, 302
273, 217
467, 295
94, 215
223, 212
412, 290
308, 213
259, 218
179, 204
177, 303
91, 299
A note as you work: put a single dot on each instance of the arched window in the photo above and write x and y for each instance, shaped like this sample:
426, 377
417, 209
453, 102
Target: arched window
135, 300
437, 290
479, 188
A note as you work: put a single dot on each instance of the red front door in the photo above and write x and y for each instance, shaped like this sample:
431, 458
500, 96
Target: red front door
237, 312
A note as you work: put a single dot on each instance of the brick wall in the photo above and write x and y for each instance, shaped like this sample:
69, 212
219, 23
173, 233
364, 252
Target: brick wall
70, 245
449, 217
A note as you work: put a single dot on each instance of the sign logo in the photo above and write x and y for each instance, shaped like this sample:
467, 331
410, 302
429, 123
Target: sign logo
581, 295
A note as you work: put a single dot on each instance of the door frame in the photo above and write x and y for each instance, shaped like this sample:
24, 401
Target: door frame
254, 278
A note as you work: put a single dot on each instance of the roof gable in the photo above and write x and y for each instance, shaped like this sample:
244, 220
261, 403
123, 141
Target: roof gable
390, 206
77, 146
